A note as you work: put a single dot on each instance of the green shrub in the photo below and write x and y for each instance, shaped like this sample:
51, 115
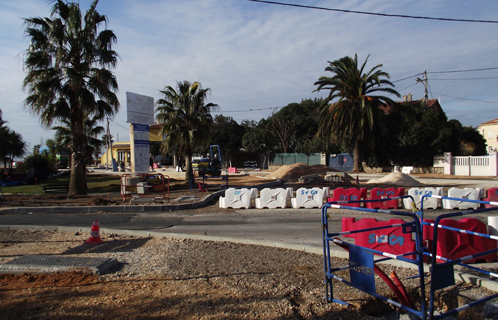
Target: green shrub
40, 163
20, 168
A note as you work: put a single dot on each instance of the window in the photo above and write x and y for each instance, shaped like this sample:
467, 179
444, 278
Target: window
122, 156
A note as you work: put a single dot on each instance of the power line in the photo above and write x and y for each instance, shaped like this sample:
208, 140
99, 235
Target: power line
484, 101
471, 70
466, 79
416, 75
373, 13
453, 71
250, 110
122, 127
409, 86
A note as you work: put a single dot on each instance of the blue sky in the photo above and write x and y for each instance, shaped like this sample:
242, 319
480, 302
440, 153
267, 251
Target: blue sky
255, 57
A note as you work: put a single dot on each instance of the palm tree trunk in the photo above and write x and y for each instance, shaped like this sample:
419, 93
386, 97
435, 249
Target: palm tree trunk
77, 181
357, 161
188, 169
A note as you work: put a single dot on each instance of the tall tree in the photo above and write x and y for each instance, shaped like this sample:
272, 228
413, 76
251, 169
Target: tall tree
284, 124
306, 139
4, 139
258, 139
68, 78
414, 135
52, 147
11, 143
17, 145
296, 125
227, 134
465, 141
186, 119
359, 106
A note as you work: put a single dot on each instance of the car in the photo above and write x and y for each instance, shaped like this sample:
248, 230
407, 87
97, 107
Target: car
250, 164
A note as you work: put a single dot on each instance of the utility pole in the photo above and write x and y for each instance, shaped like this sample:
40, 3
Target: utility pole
107, 151
426, 95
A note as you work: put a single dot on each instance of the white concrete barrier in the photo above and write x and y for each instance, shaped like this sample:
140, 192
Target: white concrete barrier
465, 193
273, 198
417, 193
407, 170
238, 198
310, 198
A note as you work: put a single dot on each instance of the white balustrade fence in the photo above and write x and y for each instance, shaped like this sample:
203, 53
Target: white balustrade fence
471, 166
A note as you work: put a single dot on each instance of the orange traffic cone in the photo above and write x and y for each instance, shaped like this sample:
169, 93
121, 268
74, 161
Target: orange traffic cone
94, 233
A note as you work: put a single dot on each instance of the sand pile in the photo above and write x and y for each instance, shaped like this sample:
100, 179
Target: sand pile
292, 173
398, 179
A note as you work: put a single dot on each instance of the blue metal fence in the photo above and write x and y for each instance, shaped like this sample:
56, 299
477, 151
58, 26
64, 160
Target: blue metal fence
362, 265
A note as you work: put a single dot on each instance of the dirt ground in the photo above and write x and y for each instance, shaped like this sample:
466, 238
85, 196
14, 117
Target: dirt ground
177, 189
289, 176
158, 278
185, 279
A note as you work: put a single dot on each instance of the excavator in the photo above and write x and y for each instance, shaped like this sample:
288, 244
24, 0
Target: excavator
213, 165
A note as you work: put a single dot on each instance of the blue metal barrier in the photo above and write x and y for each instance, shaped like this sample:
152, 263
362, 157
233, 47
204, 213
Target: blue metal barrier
362, 262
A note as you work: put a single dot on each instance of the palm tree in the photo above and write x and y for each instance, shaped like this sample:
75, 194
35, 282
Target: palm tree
17, 145
4, 139
67, 78
91, 145
358, 108
5, 143
11, 143
186, 119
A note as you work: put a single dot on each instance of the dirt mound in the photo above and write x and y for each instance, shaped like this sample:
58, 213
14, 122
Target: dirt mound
292, 173
398, 179
98, 201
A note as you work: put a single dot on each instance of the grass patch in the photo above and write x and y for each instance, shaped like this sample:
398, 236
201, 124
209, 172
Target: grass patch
95, 183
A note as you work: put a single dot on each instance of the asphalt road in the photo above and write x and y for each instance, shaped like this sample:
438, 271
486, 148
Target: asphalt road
295, 226
282, 225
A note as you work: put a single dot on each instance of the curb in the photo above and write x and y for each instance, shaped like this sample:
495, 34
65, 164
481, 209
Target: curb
118, 208
129, 208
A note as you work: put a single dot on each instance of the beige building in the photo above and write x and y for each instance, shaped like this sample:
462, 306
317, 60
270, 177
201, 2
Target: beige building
121, 151
489, 130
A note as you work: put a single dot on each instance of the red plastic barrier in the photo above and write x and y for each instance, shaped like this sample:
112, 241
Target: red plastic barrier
351, 194
492, 195
454, 245
378, 193
232, 170
391, 240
